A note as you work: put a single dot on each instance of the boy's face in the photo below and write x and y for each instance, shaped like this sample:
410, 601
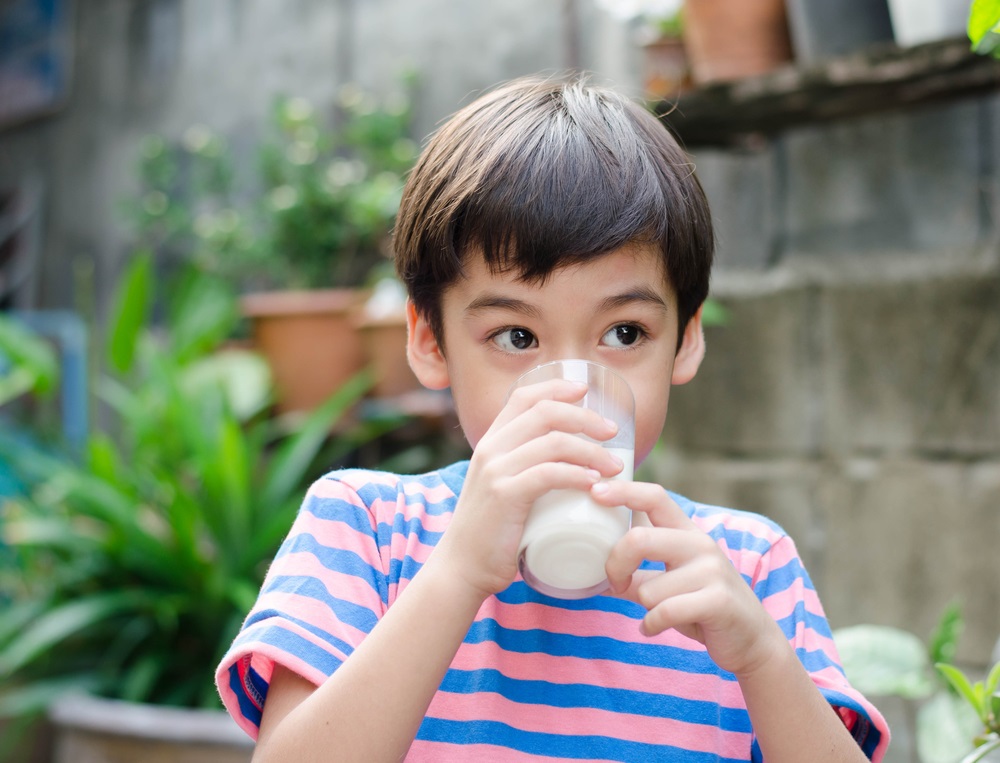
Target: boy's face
617, 310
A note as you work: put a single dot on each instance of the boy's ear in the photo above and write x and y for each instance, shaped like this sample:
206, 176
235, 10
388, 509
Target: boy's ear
691, 351
423, 351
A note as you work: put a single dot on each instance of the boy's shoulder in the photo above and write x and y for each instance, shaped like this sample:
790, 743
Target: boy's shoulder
371, 485
738, 528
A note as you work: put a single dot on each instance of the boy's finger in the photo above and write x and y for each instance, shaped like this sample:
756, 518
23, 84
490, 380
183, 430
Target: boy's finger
562, 447
648, 498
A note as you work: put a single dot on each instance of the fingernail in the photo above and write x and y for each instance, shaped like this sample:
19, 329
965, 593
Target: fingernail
600, 488
594, 475
618, 462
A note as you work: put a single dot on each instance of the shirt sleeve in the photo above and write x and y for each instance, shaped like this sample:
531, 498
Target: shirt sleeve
323, 593
787, 593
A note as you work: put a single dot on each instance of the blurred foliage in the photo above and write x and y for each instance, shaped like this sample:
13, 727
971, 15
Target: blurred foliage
127, 572
316, 213
957, 721
984, 27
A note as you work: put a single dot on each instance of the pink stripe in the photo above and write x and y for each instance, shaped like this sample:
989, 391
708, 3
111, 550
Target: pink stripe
430, 494
313, 613
440, 752
545, 719
345, 586
566, 669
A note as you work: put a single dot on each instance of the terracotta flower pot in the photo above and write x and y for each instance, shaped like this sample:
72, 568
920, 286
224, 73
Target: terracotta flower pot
99, 730
666, 72
731, 39
310, 341
384, 341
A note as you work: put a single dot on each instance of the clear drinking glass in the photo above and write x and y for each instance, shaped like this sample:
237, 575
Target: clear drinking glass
568, 536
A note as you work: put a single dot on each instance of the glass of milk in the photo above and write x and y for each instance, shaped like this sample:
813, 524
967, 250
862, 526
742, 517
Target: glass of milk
567, 536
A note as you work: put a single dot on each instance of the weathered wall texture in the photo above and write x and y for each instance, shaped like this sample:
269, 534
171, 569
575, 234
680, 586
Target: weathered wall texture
855, 394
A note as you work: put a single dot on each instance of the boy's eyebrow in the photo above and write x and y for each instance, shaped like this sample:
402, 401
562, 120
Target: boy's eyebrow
497, 302
638, 294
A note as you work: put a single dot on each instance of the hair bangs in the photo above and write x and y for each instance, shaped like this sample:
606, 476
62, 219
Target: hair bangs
577, 186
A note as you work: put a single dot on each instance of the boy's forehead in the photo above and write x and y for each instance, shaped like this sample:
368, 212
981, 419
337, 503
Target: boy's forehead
642, 257
640, 263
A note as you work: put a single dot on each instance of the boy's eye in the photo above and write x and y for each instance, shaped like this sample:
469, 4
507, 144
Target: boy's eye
514, 340
622, 335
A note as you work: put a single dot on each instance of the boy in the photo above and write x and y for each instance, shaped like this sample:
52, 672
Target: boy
544, 221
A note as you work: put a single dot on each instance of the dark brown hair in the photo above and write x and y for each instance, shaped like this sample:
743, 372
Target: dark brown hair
538, 174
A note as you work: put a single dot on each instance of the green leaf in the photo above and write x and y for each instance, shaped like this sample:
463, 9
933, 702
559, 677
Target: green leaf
714, 313
880, 660
45, 532
993, 680
980, 753
289, 466
132, 304
30, 361
204, 311
965, 688
944, 640
243, 376
984, 27
945, 728
16, 616
58, 624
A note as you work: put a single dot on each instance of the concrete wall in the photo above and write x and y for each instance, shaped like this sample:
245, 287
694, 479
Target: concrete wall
853, 396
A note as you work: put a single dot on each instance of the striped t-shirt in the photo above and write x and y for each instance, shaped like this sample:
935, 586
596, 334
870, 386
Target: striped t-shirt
536, 677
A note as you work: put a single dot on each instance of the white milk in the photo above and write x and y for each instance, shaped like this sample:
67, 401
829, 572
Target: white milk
567, 539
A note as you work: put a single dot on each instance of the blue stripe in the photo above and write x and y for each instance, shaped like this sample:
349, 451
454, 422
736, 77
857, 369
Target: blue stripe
294, 644
649, 704
370, 489
866, 733
339, 510
520, 592
593, 647
782, 578
811, 620
815, 660
346, 611
260, 619
407, 528
337, 559
247, 708
576, 747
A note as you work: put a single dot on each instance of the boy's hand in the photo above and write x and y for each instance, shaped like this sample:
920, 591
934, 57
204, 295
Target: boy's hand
701, 594
532, 447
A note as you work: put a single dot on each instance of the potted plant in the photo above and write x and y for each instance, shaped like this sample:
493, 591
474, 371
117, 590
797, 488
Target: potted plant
732, 39
313, 228
127, 571
658, 30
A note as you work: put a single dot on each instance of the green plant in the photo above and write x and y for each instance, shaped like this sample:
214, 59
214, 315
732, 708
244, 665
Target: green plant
655, 18
955, 720
317, 212
984, 27
27, 363
131, 568
984, 698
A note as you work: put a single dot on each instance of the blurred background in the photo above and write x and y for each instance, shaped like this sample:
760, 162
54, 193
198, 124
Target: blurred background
158, 156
